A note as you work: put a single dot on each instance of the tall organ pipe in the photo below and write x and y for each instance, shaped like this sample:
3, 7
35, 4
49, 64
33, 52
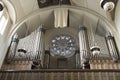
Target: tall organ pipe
112, 47
84, 47
40, 44
12, 48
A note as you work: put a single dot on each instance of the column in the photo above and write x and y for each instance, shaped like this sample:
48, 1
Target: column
112, 47
84, 47
39, 45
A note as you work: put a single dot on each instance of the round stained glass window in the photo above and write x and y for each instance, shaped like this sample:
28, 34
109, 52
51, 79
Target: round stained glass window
63, 45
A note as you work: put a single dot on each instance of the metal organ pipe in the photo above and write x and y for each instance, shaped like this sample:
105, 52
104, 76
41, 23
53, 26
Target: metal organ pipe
13, 46
40, 44
84, 47
112, 47
29, 48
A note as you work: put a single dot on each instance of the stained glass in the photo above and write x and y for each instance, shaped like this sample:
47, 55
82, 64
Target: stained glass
63, 45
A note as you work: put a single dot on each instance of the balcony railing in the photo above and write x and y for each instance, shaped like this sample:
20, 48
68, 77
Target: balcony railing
60, 74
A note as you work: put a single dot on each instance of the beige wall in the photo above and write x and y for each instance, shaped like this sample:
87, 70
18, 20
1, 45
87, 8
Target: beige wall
117, 16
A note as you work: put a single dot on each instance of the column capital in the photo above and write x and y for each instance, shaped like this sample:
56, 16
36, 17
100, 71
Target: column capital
82, 28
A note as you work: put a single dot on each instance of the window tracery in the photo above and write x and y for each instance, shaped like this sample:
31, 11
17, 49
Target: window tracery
63, 45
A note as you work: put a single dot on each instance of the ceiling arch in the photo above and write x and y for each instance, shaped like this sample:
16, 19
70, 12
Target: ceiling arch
89, 17
80, 11
11, 9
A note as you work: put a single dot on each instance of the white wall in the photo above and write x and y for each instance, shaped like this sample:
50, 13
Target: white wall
4, 43
117, 16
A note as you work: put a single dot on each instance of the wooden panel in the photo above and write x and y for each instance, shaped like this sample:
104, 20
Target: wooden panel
17, 65
51, 75
104, 64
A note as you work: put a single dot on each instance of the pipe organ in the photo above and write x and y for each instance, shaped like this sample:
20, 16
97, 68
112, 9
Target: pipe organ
63, 47
12, 48
29, 48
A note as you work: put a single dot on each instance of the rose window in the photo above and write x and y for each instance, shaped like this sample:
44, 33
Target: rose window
63, 45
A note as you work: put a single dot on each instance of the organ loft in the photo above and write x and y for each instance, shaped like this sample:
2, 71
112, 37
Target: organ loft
59, 39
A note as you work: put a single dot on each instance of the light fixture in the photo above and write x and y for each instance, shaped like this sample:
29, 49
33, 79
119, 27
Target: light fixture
107, 5
1, 6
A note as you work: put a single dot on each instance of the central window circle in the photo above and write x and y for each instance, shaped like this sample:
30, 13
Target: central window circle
62, 45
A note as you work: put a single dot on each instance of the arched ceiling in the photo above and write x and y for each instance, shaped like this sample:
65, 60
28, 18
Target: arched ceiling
26, 7
77, 16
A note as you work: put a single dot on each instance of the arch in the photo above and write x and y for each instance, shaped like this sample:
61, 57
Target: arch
11, 10
107, 24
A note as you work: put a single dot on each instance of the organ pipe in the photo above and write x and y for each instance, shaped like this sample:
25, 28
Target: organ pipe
40, 44
12, 48
112, 47
30, 47
84, 47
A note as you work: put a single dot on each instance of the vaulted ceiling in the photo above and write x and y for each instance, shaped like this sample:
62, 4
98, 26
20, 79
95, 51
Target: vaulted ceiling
26, 7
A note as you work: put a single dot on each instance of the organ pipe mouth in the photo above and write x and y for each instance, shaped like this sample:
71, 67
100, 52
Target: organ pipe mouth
22, 52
